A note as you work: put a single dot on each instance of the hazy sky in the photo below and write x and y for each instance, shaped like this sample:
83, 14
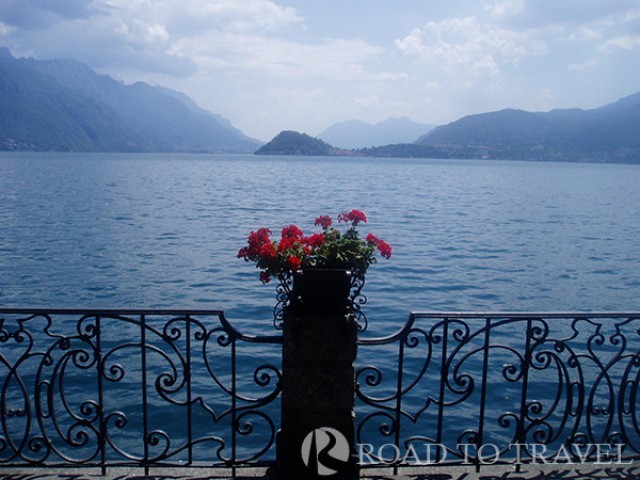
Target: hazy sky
270, 65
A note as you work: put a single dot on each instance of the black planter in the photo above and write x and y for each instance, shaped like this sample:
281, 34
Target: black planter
321, 290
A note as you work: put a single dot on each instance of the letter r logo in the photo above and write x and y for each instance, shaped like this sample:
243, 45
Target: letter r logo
325, 451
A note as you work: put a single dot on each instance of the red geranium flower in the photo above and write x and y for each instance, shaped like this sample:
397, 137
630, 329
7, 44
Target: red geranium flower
265, 277
315, 240
324, 221
354, 216
384, 248
292, 231
256, 241
286, 243
372, 239
294, 263
268, 251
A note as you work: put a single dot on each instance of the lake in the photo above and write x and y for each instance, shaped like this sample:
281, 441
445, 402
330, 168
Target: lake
163, 231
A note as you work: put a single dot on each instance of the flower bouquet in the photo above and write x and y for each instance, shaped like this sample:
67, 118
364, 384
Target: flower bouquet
330, 248
321, 272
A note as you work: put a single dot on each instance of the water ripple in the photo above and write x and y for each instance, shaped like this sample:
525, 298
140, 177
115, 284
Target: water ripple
113, 231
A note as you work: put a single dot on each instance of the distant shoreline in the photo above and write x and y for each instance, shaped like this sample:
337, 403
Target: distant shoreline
6, 154
291, 143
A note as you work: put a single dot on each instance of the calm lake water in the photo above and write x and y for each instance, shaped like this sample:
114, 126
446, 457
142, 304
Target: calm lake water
119, 230
163, 231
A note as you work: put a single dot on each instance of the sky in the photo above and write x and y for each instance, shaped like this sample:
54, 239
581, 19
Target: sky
273, 65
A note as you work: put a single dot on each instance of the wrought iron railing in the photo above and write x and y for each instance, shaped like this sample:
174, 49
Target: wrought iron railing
153, 388
484, 388
135, 388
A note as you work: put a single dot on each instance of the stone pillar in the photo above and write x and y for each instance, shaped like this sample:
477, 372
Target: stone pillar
317, 434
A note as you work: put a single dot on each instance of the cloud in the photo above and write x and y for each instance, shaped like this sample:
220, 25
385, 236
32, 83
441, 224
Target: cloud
177, 38
194, 17
621, 43
466, 43
585, 33
373, 101
30, 14
278, 57
6, 30
513, 36
369, 101
432, 87
591, 63
392, 78
542, 13
134, 34
107, 42
504, 8
612, 33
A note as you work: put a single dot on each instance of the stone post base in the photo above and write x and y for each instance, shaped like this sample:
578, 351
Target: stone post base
316, 440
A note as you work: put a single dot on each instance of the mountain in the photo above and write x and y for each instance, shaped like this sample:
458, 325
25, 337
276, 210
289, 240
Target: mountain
63, 105
289, 142
294, 143
358, 134
607, 134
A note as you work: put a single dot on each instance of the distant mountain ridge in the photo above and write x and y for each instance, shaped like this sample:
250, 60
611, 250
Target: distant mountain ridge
607, 134
63, 105
358, 134
289, 142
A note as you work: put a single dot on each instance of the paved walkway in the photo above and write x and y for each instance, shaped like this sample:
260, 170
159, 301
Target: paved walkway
535, 472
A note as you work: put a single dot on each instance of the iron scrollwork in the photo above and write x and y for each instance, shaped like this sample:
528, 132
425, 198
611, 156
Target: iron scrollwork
549, 384
134, 388
285, 292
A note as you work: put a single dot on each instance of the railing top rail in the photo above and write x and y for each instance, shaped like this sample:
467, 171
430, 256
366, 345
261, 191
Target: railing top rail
510, 315
521, 314
116, 312
110, 311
